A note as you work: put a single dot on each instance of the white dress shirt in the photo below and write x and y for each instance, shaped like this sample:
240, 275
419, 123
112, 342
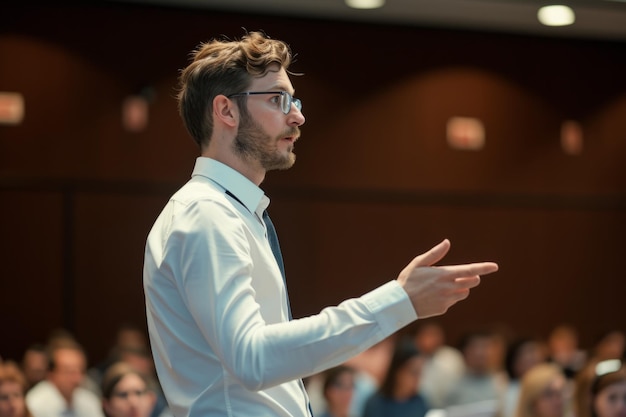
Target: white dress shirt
45, 400
217, 307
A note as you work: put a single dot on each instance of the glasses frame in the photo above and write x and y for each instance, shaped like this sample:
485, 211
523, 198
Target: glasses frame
286, 99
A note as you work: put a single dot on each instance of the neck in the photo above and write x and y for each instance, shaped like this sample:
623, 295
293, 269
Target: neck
67, 397
336, 412
402, 395
249, 169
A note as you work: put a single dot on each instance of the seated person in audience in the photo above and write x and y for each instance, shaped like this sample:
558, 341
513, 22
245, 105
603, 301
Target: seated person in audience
443, 364
126, 392
127, 337
601, 389
370, 368
399, 394
522, 355
608, 390
543, 392
480, 383
338, 389
610, 345
35, 364
61, 393
563, 350
13, 387
140, 358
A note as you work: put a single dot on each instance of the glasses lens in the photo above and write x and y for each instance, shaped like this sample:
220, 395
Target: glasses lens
285, 102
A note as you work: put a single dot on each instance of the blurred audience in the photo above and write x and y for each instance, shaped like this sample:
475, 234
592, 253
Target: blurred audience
608, 390
35, 364
13, 386
337, 390
609, 345
522, 355
601, 389
416, 375
443, 364
480, 383
399, 394
128, 337
370, 369
543, 392
61, 392
126, 392
563, 349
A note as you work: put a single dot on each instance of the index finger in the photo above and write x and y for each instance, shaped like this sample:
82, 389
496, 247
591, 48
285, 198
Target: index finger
470, 270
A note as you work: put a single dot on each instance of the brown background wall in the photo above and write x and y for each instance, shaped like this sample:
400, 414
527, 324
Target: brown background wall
374, 185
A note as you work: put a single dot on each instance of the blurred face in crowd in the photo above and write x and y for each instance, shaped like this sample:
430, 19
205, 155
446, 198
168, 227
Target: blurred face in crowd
408, 378
478, 354
35, 366
12, 400
611, 401
339, 394
529, 355
551, 401
68, 372
130, 398
429, 339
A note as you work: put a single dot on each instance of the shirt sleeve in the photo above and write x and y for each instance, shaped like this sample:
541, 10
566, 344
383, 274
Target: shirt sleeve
213, 255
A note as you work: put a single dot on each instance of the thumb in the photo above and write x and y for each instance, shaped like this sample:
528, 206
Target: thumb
434, 255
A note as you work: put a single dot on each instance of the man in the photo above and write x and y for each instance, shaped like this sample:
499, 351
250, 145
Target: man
60, 394
480, 382
443, 364
35, 364
217, 307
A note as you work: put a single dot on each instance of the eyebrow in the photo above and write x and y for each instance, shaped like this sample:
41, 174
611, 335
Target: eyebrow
281, 87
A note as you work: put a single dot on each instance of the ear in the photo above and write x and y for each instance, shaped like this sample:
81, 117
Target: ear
225, 111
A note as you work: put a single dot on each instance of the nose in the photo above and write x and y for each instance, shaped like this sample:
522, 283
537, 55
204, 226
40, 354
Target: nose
296, 118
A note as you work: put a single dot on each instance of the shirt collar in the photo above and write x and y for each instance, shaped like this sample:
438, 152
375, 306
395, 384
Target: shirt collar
251, 196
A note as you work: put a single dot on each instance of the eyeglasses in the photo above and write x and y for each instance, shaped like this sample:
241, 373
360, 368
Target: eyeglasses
285, 99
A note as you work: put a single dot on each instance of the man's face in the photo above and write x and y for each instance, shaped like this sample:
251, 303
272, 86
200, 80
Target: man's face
35, 366
266, 134
478, 353
68, 372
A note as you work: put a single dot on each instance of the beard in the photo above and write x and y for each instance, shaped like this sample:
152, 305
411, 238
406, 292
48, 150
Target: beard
253, 144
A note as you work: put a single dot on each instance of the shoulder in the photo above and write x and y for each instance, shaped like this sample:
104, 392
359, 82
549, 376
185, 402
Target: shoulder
197, 189
42, 388
200, 203
375, 401
87, 402
44, 396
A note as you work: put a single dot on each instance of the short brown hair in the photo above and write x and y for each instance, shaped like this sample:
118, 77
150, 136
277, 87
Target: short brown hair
224, 67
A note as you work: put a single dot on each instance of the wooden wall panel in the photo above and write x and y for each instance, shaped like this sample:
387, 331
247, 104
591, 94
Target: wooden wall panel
111, 230
33, 265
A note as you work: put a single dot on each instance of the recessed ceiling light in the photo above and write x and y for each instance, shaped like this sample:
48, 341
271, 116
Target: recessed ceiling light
365, 4
556, 15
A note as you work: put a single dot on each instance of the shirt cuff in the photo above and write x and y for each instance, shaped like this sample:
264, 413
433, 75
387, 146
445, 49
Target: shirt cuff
391, 307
